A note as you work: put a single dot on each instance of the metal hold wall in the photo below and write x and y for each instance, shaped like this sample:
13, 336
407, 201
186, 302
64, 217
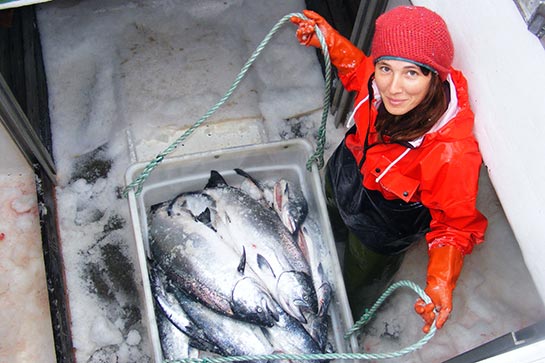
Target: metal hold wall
22, 68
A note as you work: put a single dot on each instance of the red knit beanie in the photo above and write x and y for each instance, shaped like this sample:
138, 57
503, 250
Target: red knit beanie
414, 34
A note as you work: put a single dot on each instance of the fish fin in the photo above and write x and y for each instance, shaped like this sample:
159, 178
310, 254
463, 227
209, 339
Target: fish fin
264, 265
278, 196
242, 264
215, 180
266, 332
205, 217
204, 344
287, 188
249, 177
155, 207
321, 271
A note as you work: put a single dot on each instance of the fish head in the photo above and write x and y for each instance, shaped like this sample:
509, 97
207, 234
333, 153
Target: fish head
290, 204
253, 303
296, 294
324, 294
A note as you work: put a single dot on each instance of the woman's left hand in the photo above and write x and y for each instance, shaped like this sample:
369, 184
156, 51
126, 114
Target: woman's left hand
444, 267
441, 298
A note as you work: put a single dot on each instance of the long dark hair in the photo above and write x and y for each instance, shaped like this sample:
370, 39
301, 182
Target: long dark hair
418, 121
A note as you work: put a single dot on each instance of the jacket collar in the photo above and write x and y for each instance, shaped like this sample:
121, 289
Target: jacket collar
450, 113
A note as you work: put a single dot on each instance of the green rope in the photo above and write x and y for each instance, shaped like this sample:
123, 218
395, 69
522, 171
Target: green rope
317, 157
329, 356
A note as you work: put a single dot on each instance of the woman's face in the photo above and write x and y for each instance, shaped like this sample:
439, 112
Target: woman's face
402, 85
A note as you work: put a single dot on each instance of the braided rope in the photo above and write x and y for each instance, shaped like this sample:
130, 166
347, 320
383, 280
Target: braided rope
317, 157
328, 356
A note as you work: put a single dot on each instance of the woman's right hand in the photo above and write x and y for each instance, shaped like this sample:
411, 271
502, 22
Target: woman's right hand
306, 28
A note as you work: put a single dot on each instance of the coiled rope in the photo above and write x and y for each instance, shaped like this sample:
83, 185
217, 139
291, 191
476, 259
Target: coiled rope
317, 157
366, 317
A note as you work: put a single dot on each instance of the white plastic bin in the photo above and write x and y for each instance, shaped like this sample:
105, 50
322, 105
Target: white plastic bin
286, 159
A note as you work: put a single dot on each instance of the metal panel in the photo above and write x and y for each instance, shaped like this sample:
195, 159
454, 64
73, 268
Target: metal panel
511, 341
533, 12
362, 35
18, 126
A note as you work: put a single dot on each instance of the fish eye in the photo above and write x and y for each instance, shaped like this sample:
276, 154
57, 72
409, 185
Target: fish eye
259, 309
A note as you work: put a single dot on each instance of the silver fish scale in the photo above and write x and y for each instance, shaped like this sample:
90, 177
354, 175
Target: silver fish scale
202, 264
270, 249
259, 222
234, 336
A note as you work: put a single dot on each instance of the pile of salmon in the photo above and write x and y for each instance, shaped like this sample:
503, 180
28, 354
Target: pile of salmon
236, 270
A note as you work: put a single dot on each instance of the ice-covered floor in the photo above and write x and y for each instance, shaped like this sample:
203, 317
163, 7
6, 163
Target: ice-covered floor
126, 78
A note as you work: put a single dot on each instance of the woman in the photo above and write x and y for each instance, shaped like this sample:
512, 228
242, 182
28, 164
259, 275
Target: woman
409, 167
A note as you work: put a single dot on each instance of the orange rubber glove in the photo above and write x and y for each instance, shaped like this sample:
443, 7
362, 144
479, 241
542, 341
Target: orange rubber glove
444, 267
344, 55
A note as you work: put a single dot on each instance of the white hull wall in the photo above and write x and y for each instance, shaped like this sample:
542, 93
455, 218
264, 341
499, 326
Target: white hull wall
505, 67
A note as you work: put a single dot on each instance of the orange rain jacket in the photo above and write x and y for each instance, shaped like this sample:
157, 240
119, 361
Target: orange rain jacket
440, 170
